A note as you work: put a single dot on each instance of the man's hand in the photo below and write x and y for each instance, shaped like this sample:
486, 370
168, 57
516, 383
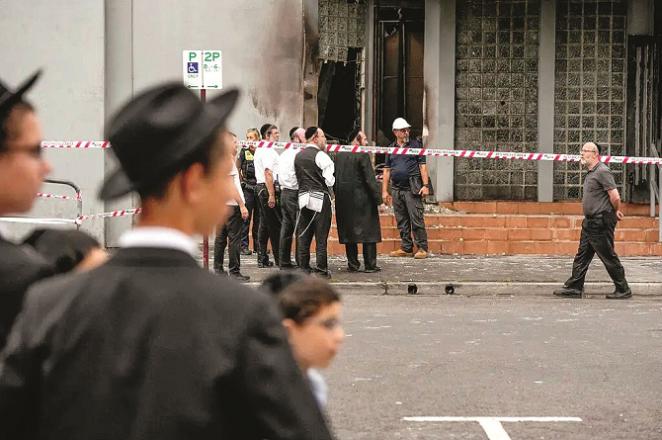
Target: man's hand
386, 198
425, 191
619, 215
244, 212
272, 201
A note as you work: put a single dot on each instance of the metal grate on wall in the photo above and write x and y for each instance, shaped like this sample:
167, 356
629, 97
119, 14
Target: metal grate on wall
496, 96
589, 86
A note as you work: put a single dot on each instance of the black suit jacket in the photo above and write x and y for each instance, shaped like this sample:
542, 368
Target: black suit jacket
20, 266
151, 346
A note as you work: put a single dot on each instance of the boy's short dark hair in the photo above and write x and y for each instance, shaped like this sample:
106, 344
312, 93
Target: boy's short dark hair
292, 130
300, 297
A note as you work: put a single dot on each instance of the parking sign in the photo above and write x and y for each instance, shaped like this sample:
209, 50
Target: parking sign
202, 69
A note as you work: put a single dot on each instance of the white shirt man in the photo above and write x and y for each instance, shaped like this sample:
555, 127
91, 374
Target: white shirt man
265, 159
286, 175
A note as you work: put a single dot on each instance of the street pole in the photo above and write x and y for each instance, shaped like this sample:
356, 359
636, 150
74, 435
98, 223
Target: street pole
205, 240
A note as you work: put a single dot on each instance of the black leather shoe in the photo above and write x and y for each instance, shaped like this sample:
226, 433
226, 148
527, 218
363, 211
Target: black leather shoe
372, 269
352, 269
239, 277
265, 264
322, 273
619, 295
289, 266
220, 272
565, 292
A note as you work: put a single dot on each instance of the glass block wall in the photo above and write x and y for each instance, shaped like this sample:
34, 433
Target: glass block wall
496, 96
589, 87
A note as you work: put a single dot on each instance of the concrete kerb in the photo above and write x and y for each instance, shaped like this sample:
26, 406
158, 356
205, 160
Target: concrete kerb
484, 288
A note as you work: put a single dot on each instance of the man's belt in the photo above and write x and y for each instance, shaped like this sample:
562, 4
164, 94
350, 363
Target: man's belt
599, 215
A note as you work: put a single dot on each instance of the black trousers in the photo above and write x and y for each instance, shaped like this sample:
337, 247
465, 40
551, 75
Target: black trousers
289, 209
597, 238
269, 229
253, 206
230, 232
317, 224
408, 210
369, 255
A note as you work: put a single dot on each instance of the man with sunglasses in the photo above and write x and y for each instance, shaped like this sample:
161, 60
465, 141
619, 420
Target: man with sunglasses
22, 171
408, 176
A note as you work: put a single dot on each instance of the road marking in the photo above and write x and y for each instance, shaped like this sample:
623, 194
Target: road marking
492, 425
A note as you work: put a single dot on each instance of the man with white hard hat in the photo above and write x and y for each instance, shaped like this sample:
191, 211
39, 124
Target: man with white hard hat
410, 182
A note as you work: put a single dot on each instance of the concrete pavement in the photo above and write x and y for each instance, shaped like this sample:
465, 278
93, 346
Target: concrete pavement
474, 275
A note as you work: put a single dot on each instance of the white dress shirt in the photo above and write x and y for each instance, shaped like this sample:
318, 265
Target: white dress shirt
159, 237
286, 175
237, 183
325, 163
318, 384
265, 159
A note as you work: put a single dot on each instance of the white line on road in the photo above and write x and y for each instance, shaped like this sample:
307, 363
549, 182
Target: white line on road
492, 425
501, 419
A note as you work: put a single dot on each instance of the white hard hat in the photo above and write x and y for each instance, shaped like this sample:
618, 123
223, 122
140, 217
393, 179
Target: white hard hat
400, 123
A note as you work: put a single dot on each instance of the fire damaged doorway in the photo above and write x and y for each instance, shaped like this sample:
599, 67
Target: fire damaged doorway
399, 38
339, 96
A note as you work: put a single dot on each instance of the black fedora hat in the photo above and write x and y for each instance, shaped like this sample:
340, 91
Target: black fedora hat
8, 98
156, 133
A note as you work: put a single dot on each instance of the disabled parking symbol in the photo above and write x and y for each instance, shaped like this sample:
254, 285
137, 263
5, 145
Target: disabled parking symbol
192, 67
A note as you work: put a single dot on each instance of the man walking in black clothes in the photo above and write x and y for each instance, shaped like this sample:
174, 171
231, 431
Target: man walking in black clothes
150, 345
601, 204
247, 173
358, 197
230, 232
408, 176
289, 198
266, 166
314, 170
22, 171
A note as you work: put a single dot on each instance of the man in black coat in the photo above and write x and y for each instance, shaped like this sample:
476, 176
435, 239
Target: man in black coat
22, 171
358, 197
150, 345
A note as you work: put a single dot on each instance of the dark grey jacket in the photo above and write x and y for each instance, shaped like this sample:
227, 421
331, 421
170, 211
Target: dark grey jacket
20, 267
151, 346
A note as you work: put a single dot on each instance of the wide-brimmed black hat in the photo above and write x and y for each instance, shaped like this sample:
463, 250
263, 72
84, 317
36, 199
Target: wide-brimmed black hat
8, 98
156, 133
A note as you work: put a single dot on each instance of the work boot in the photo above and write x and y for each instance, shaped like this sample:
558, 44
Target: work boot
565, 292
421, 254
401, 253
619, 295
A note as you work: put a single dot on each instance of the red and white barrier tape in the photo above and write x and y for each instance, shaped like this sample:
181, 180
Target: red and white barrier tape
57, 196
78, 220
117, 213
83, 145
433, 152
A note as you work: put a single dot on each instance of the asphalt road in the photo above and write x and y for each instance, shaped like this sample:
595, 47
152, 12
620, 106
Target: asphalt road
443, 356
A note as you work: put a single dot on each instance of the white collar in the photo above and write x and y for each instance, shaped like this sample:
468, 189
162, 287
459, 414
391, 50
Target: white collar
159, 237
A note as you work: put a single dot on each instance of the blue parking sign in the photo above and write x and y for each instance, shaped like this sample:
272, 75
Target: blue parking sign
192, 67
